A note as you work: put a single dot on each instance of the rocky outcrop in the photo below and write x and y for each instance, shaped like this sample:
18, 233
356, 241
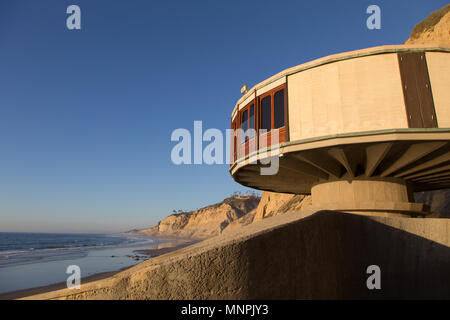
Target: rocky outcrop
243, 221
231, 213
434, 30
439, 202
273, 204
205, 222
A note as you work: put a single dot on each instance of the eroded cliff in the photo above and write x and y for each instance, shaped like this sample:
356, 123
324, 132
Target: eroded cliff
205, 222
434, 30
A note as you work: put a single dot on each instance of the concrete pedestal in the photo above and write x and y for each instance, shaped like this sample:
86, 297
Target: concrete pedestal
377, 196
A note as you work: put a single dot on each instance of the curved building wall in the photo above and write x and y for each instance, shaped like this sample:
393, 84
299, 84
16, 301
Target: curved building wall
361, 94
439, 71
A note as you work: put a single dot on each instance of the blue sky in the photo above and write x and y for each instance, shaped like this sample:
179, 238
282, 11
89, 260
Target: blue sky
86, 115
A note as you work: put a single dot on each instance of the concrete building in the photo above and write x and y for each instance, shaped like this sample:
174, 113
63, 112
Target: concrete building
360, 131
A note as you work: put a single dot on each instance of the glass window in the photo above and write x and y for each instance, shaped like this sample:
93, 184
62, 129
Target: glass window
234, 141
278, 109
266, 113
251, 120
244, 125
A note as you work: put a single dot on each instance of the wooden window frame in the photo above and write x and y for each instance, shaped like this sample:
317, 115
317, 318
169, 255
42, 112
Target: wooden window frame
247, 108
281, 130
234, 152
244, 147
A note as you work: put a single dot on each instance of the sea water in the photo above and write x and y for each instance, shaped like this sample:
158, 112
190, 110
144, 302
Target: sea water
29, 260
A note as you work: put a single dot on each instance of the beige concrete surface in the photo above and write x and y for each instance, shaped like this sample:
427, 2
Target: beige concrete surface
439, 72
360, 94
387, 195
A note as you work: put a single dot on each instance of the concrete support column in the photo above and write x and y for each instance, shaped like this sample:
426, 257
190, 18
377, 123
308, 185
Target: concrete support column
377, 196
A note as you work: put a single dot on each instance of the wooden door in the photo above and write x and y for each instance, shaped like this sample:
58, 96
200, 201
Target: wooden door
417, 90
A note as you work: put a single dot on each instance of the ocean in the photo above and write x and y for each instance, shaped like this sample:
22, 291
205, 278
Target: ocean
29, 260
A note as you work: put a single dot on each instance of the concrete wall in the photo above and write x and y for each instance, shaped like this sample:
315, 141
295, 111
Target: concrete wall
294, 256
359, 94
439, 72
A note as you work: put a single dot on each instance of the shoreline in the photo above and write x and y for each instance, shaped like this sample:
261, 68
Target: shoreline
167, 246
56, 286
